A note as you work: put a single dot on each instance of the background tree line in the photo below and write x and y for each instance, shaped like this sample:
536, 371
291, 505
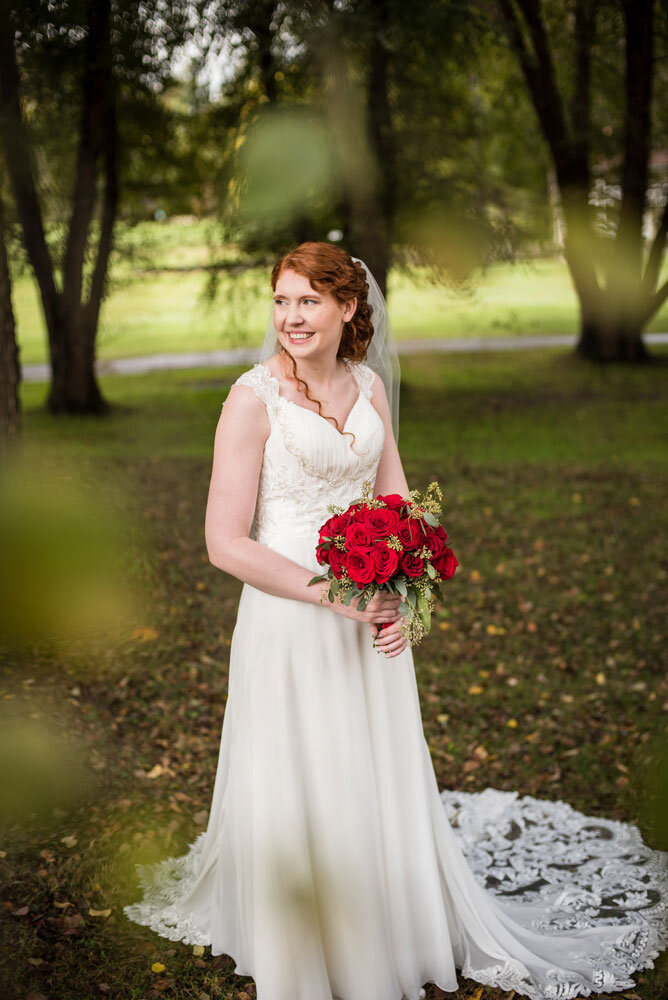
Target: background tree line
435, 133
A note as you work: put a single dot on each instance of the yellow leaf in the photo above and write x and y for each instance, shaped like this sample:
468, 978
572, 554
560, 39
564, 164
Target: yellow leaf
158, 967
98, 913
443, 718
600, 677
475, 689
576, 498
477, 994
144, 633
155, 771
634, 501
198, 949
200, 586
475, 574
444, 625
63, 905
68, 841
512, 723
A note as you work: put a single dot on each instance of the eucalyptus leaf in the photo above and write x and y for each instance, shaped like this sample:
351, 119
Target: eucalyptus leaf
404, 608
431, 572
430, 519
317, 579
412, 599
401, 587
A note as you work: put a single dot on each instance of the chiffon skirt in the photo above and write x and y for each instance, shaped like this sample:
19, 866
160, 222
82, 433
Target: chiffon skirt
332, 868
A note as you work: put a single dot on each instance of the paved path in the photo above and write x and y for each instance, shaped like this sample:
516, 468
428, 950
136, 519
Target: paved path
247, 355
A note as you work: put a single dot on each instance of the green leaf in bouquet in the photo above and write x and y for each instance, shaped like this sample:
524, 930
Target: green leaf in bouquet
335, 586
424, 611
430, 519
317, 579
353, 592
363, 601
412, 599
404, 608
400, 586
330, 595
431, 572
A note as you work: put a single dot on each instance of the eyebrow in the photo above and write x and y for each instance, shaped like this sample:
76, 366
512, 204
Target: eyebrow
309, 295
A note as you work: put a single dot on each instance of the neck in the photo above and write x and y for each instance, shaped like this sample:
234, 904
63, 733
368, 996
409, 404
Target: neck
318, 372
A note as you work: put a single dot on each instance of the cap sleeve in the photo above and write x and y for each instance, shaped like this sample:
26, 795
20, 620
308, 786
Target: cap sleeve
263, 384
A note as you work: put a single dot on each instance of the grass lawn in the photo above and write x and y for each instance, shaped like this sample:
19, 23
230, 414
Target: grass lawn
545, 671
150, 312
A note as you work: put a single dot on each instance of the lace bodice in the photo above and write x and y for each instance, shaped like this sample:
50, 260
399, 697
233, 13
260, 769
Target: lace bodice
307, 462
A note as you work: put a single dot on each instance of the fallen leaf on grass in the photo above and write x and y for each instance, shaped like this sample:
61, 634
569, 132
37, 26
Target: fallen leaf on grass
70, 841
98, 913
158, 967
198, 949
475, 689
144, 634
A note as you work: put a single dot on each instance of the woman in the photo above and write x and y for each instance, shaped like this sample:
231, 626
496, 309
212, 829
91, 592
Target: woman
329, 868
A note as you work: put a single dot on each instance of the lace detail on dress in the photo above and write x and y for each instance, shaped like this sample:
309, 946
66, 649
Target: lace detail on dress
329, 470
578, 872
264, 388
165, 884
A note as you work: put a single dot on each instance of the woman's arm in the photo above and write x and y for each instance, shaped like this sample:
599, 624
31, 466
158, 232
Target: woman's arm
390, 476
243, 428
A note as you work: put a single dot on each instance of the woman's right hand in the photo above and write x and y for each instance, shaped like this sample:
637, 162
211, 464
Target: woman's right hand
382, 607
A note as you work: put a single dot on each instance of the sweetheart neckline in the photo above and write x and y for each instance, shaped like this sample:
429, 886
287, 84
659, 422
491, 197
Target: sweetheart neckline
291, 402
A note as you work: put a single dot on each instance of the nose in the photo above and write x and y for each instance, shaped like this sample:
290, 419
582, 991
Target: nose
293, 315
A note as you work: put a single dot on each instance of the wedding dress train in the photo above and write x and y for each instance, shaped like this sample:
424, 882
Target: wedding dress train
332, 868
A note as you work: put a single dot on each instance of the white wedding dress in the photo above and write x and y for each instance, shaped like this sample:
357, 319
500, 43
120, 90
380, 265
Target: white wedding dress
331, 867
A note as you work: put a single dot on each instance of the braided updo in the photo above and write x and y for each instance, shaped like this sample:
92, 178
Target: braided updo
329, 268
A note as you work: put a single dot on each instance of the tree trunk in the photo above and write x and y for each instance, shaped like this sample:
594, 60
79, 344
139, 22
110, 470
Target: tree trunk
10, 370
74, 387
70, 317
605, 341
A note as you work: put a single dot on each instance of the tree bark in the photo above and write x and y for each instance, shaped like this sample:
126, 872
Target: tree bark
10, 369
613, 313
71, 316
374, 208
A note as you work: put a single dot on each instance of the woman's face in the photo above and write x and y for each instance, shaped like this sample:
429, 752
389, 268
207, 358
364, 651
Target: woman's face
308, 323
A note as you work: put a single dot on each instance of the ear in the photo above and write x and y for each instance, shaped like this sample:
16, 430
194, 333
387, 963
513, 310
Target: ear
349, 310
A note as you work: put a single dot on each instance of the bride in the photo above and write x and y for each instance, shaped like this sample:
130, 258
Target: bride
332, 868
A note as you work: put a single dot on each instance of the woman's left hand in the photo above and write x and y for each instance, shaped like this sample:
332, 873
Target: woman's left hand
389, 640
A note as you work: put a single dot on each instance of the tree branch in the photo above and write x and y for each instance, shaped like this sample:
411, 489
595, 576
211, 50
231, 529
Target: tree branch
638, 15
91, 140
653, 267
20, 165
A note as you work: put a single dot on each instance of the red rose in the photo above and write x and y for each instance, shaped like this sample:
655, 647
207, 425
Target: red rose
382, 522
412, 565
358, 536
410, 533
393, 501
335, 525
446, 564
322, 552
337, 561
338, 524
360, 566
385, 560
435, 543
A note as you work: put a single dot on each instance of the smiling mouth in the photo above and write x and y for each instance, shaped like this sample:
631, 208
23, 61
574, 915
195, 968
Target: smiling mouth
300, 335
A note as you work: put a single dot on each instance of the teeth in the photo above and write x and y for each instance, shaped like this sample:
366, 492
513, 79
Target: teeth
300, 336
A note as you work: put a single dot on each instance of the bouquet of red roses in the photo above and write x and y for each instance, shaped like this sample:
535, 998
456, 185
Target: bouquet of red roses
389, 543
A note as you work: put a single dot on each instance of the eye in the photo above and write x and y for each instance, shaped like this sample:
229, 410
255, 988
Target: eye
309, 300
